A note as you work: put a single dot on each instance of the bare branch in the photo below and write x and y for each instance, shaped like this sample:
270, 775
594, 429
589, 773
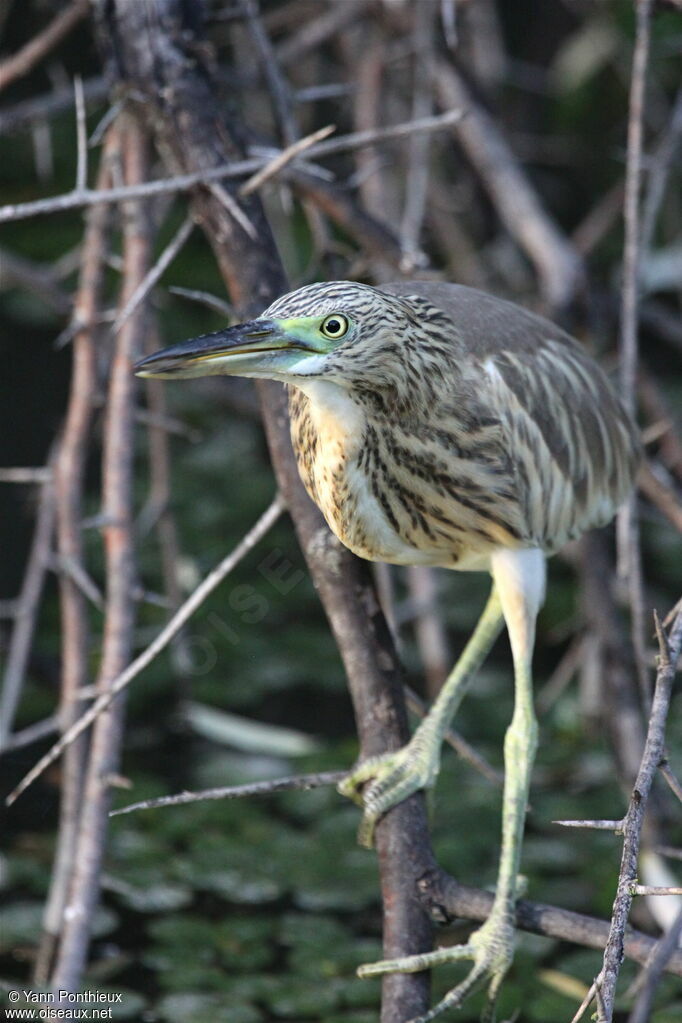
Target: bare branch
659, 169
446, 900
280, 92
219, 305
598, 825
69, 483
33, 733
162, 263
299, 782
22, 62
119, 552
649, 889
81, 136
629, 554
283, 158
26, 611
557, 262
41, 474
182, 182
213, 579
647, 982
416, 186
672, 781
40, 108
653, 752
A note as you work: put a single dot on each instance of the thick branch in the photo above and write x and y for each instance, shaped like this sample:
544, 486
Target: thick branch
446, 899
193, 134
117, 505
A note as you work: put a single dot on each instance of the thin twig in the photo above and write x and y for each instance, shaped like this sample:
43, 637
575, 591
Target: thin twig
311, 34
164, 261
299, 782
557, 262
81, 136
69, 485
648, 980
238, 169
595, 825
49, 104
213, 579
33, 733
658, 171
40, 474
652, 889
662, 495
233, 208
416, 185
40, 45
121, 570
283, 158
219, 305
585, 1004
27, 605
629, 555
653, 752
37, 278
671, 779
278, 87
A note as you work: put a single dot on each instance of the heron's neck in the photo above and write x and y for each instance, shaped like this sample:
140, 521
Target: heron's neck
337, 420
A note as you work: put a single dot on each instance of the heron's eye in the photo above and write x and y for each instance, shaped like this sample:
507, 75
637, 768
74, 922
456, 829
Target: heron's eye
334, 326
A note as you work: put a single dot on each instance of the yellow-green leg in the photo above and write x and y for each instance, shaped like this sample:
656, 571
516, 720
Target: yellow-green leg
380, 782
519, 580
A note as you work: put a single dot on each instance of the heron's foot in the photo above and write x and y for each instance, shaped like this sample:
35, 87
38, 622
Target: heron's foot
491, 948
381, 782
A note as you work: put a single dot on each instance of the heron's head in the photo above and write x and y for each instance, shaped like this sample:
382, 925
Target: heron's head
343, 331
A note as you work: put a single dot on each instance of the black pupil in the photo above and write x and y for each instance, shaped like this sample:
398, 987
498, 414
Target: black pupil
333, 326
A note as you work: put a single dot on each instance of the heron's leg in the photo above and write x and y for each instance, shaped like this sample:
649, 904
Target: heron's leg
380, 782
519, 579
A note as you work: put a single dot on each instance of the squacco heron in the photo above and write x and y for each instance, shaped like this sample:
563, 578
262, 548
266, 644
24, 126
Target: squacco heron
436, 425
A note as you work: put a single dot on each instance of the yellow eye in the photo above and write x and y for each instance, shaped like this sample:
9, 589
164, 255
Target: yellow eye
334, 326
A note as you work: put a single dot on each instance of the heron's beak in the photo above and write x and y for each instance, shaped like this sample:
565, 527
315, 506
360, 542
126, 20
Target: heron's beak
259, 348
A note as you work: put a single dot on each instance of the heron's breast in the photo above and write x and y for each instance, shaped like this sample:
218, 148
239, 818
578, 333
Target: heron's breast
330, 437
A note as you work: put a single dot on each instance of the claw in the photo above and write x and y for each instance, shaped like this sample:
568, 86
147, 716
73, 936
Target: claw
491, 948
383, 781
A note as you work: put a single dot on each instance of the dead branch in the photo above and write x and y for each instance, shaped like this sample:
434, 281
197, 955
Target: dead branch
117, 501
172, 627
670, 648
163, 262
78, 198
27, 606
556, 261
255, 277
69, 483
627, 525
416, 186
299, 783
661, 495
40, 45
38, 278
656, 963
446, 900
40, 108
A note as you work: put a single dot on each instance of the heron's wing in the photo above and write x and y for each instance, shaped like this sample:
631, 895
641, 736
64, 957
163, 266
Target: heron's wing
573, 448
